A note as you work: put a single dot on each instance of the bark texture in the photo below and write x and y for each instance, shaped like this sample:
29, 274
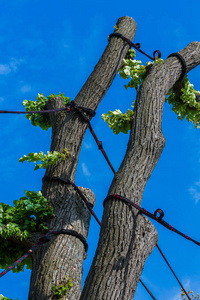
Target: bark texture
126, 237
64, 254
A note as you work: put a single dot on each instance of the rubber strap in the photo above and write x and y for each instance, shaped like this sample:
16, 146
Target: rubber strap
183, 63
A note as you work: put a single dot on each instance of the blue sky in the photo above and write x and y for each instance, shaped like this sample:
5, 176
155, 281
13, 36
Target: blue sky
51, 47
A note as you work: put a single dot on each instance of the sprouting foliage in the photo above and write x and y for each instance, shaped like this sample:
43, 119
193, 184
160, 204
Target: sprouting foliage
118, 121
59, 291
187, 105
29, 214
46, 159
5, 298
42, 120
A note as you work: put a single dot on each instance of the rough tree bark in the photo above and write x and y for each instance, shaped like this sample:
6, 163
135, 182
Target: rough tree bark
63, 256
126, 238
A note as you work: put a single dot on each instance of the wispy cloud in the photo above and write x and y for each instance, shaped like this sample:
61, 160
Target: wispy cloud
175, 293
177, 296
13, 65
85, 170
195, 191
25, 88
5, 69
87, 145
187, 283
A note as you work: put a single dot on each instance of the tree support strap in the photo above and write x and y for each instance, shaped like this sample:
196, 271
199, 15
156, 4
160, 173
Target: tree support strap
45, 239
69, 106
158, 215
89, 206
154, 216
99, 143
67, 181
183, 63
136, 46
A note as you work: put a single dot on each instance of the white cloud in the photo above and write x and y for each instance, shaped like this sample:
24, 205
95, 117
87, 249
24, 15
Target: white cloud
4, 69
87, 145
85, 170
13, 65
177, 296
195, 191
2, 99
187, 284
175, 293
25, 88
198, 183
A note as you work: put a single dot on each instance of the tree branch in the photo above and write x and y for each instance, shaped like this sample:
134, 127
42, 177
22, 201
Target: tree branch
68, 132
126, 238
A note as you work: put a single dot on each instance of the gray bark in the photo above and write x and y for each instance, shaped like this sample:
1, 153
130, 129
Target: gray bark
64, 254
126, 237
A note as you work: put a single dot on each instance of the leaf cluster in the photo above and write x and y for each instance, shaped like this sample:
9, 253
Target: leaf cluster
42, 120
131, 68
46, 159
118, 121
186, 105
29, 214
59, 291
5, 298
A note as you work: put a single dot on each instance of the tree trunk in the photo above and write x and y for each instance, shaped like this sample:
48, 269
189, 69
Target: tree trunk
63, 255
126, 237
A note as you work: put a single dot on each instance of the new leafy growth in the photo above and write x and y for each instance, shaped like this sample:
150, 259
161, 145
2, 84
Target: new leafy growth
29, 214
185, 102
5, 298
41, 120
59, 291
46, 159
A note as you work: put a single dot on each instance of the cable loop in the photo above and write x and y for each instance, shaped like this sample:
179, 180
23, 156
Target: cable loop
161, 214
158, 52
150, 215
136, 46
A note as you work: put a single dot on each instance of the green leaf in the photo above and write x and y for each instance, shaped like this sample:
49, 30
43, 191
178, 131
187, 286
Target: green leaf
41, 120
118, 121
46, 159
